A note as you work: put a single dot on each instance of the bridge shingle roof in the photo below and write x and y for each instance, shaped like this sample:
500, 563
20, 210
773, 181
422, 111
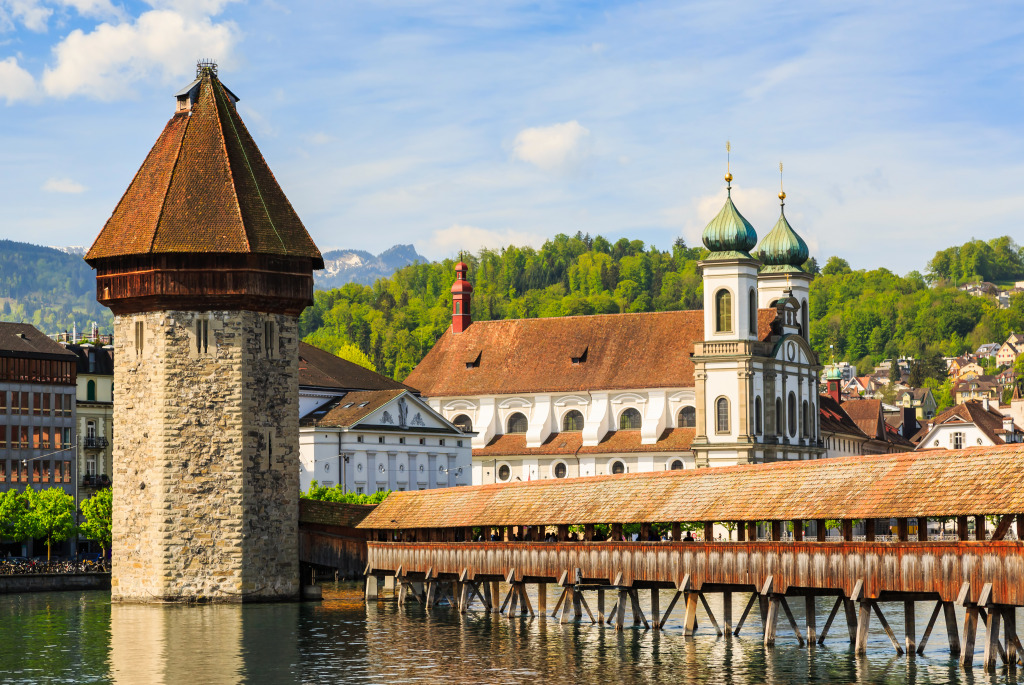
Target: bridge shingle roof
980, 480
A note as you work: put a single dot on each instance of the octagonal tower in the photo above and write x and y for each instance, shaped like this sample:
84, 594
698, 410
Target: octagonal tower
206, 267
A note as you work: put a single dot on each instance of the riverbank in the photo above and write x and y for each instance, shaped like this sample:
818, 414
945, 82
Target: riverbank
53, 582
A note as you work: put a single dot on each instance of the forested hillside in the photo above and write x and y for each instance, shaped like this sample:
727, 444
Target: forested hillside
50, 289
860, 316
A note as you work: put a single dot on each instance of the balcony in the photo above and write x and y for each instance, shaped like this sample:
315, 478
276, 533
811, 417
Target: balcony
97, 482
95, 443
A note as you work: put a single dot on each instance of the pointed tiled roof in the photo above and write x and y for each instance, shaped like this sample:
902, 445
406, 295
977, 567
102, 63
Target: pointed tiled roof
205, 188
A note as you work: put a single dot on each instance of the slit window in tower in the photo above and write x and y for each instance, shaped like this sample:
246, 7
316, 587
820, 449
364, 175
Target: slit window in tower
723, 311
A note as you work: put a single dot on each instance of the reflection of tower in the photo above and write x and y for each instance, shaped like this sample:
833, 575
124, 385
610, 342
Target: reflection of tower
206, 268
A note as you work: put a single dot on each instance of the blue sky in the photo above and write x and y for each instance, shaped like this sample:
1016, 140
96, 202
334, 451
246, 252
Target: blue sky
460, 125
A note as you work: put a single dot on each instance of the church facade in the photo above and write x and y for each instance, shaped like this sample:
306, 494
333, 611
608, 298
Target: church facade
734, 383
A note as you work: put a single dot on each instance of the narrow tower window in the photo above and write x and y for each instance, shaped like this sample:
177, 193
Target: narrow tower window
791, 410
268, 338
778, 416
752, 303
202, 335
723, 311
722, 415
757, 416
140, 328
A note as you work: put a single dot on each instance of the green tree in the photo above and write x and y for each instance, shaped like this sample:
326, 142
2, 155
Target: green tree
98, 512
51, 516
336, 494
836, 266
13, 516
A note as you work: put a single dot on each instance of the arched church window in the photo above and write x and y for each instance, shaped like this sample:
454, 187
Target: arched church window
791, 410
687, 418
753, 312
630, 420
723, 311
618, 467
778, 416
676, 465
463, 423
722, 415
757, 416
517, 423
572, 422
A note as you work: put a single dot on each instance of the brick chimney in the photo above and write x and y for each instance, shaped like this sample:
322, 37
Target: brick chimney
462, 291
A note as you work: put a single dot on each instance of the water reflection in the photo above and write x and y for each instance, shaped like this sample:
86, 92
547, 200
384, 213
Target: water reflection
80, 637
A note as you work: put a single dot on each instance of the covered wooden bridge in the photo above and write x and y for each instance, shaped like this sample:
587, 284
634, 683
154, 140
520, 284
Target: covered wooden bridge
457, 543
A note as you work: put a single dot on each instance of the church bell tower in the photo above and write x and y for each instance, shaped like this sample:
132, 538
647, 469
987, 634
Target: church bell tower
206, 267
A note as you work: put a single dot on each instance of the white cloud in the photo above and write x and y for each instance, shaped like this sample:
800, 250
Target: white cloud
191, 8
759, 206
94, 8
31, 13
457, 237
63, 185
159, 43
555, 147
15, 82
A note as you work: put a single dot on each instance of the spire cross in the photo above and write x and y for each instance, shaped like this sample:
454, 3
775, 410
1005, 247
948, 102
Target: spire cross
728, 172
782, 190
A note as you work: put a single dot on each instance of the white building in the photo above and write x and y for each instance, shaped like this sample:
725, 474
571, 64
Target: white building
370, 433
561, 397
971, 424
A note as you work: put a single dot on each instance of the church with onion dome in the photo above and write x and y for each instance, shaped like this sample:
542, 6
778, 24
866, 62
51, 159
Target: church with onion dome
577, 396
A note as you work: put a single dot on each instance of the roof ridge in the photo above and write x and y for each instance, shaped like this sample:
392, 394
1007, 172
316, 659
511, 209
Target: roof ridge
252, 174
170, 180
228, 165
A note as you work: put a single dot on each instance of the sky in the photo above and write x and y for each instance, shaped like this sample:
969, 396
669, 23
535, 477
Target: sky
456, 126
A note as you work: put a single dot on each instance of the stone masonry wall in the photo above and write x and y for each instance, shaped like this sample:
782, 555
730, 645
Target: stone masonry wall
205, 458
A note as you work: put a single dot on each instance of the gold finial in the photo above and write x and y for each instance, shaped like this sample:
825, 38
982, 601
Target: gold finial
782, 191
728, 173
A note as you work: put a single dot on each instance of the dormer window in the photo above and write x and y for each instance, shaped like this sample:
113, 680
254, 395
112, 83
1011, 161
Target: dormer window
473, 361
580, 356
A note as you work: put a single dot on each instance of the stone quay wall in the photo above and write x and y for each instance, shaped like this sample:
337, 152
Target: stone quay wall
206, 483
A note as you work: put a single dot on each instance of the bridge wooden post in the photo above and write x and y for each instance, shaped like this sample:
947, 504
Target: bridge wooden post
495, 597
952, 632
752, 531
772, 620
970, 634
798, 530
869, 529
690, 620
727, 610
847, 528
542, 598
741, 531
616, 532
979, 528
588, 532
1010, 631
902, 529
372, 590
620, 617
563, 533
776, 531
961, 527
909, 627
1020, 526
922, 529
709, 531
993, 649
809, 611
821, 529
677, 532
863, 624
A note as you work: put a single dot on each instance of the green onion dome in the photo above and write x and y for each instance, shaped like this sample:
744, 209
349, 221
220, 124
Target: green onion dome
782, 250
729, 235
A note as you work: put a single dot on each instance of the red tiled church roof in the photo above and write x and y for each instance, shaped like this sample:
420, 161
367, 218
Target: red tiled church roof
321, 369
641, 350
205, 188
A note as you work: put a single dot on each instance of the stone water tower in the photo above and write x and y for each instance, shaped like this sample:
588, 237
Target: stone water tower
206, 267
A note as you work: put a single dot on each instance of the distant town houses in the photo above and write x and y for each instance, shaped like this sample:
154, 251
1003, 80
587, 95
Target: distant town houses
1000, 295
